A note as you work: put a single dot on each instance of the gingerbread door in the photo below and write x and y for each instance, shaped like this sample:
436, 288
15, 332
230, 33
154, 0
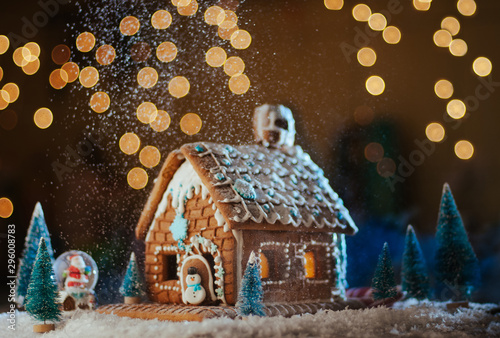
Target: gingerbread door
204, 270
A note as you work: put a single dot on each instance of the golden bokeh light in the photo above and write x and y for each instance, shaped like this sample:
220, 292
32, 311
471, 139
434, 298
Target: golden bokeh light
161, 122
99, 102
456, 108
377, 22
361, 12
374, 152
421, 5
137, 178
4, 44
85, 42
1, 73
482, 66
451, 24
32, 67
375, 85
443, 89
6, 207
147, 77
434, 132
147, 112
166, 52
464, 150
191, 124
129, 143
43, 118
161, 19
466, 7
72, 70
367, 57
58, 79
442, 38
149, 156
386, 167
34, 51
4, 99
334, 4
189, 9
239, 84
392, 35
61, 54
13, 90
363, 115
213, 15
89, 76
458, 47
215, 57
234, 66
241, 39
178, 87
229, 19
181, 3
18, 57
129, 25
27, 55
105, 55
226, 34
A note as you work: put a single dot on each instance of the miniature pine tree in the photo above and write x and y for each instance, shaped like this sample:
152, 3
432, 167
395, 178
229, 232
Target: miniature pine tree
415, 280
251, 293
132, 285
37, 229
457, 266
383, 283
42, 296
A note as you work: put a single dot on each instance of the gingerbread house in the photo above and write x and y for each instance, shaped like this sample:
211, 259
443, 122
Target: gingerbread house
213, 204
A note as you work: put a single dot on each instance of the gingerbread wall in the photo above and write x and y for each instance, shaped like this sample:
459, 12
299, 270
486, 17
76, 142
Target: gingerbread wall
201, 216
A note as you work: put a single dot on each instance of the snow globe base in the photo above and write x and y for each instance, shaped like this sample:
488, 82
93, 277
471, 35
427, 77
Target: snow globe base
132, 300
42, 328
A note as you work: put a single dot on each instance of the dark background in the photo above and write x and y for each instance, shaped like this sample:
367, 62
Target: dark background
295, 59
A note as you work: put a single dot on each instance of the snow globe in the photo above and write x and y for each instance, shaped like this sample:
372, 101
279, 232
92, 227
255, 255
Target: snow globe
76, 274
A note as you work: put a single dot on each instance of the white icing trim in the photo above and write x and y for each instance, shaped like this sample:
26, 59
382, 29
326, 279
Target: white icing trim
238, 236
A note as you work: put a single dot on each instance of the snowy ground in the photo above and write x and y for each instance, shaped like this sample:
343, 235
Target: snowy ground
406, 319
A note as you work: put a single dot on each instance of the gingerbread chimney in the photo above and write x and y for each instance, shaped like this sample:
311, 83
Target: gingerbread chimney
274, 126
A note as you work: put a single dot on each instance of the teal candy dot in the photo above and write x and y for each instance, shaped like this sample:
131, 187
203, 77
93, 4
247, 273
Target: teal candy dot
199, 148
270, 192
219, 176
318, 197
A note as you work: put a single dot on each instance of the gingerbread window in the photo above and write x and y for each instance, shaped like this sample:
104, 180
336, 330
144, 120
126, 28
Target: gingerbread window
310, 267
170, 267
274, 262
264, 266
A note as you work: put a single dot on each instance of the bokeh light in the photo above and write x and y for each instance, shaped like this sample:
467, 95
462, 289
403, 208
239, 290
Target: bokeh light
129, 143
466, 7
241, 39
458, 47
146, 112
361, 12
166, 51
32, 67
147, 77
137, 178
161, 122
140, 51
482, 66
99, 102
34, 51
18, 57
4, 99
43, 118
161, 19
226, 34
435, 132
367, 57
392, 35
375, 85
443, 89
6, 207
215, 57
374, 152
442, 38
61, 54
386, 167
334, 4
191, 124
89, 76
72, 70
85, 42
13, 90
58, 79
377, 22
213, 15
149, 156
421, 5
456, 108
129, 25
189, 9
178, 87
105, 55
1, 73
464, 150
451, 24
239, 84
230, 19
4, 44
234, 66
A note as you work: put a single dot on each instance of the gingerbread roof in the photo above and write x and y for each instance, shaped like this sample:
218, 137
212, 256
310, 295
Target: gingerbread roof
255, 187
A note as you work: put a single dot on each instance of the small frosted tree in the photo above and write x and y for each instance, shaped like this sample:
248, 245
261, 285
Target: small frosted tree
251, 293
415, 280
132, 286
457, 267
42, 296
37, 229
384, 283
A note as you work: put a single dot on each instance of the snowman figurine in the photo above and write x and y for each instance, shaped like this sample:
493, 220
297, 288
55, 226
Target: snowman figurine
194, 293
